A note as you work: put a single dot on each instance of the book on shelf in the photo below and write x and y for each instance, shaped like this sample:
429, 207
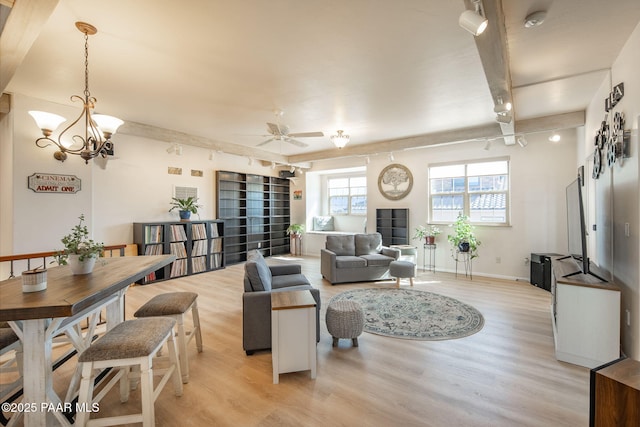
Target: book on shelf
214, 229
153, 234
216, 260
150, 277
199, 248
178, 233
199, 231
179, 268
153, 249
178, 249
216, 245
199, 264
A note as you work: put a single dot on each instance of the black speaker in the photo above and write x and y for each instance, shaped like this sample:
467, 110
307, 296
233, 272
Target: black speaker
287, 174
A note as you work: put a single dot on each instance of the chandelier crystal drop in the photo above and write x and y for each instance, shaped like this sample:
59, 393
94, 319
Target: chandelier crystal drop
98, 128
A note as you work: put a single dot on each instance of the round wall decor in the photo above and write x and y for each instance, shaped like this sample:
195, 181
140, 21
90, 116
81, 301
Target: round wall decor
395, 181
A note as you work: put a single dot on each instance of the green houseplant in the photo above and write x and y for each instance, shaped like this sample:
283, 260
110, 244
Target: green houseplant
80, 252
295, 229
186, 207
463, 238
428, 233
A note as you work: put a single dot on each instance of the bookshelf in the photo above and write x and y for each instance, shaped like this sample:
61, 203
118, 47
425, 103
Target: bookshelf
197, 245
393, 224
255, 209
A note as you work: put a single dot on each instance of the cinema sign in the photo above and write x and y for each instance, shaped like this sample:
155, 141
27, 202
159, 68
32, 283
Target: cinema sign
54, 183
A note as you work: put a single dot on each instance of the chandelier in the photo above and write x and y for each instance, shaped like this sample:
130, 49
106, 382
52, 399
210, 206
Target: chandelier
98, 128
340, 140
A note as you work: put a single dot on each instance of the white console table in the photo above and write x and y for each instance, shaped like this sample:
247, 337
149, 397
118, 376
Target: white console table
585, 313
293, 332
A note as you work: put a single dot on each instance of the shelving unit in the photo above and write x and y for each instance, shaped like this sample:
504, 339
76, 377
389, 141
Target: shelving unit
197, 245
393, 224
256, 212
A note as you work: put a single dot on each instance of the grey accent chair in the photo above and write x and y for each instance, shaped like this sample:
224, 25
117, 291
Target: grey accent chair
356, 258
260, 280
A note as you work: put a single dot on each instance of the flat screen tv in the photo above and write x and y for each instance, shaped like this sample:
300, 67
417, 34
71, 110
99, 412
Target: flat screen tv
577, 229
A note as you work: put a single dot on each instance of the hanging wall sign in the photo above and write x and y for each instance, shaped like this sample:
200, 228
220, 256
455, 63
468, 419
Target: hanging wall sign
614, 97
54, 183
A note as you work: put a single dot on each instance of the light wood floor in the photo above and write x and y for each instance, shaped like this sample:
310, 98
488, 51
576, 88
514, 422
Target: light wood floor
505, 375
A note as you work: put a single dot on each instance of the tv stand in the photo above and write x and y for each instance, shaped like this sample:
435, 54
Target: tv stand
585, 313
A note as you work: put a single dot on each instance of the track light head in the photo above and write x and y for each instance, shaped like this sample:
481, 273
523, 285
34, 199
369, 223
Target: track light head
474, 21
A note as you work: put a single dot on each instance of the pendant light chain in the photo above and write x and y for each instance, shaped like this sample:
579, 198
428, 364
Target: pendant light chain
86, 65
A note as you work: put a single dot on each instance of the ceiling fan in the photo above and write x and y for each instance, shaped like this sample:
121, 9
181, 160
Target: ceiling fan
281, 133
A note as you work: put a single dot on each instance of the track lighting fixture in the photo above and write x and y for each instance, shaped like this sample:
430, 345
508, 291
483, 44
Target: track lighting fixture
391, 158
179, 150
250, 161
367, 160
555, 137
175, 148
273, 165
487, 145
502, 107
474, 21
212, 155
504, 118
292, 169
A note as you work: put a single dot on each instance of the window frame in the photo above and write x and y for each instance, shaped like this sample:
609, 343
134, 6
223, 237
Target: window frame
466, 193
349, 177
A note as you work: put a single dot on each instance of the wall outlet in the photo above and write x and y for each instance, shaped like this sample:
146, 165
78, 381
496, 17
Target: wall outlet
526, 261
626, 229
628, 313
498, 260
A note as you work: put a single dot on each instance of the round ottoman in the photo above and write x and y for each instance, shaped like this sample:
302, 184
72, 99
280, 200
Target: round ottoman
345, 319
402, 270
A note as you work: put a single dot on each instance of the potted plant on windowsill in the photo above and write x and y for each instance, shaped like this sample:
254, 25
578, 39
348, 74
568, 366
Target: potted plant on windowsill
79, 252
427, 233
463, 238
186, 207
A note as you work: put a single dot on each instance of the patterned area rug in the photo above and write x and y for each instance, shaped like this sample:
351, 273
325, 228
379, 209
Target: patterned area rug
414, 315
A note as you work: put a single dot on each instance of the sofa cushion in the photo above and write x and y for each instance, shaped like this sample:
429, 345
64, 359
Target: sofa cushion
368, 244
341, 245
377, 260
258, 272
288, 280
323, 223
346, 261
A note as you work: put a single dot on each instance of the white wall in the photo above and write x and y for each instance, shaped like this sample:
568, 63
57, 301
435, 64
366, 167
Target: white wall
540, 173
616, 192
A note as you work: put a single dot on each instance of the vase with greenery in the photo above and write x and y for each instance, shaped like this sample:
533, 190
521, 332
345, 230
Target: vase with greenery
427, 233
80, 252
295, 232
463, 237
186, 207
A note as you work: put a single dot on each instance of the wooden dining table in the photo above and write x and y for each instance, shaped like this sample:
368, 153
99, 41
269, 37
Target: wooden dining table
68, 300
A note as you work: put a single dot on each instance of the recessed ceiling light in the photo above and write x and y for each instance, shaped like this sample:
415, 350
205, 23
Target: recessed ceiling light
534, 19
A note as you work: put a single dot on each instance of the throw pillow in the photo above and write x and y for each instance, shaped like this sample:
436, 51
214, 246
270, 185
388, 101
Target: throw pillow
323, 223
258, 272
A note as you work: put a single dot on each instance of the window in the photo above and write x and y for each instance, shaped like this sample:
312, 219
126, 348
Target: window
348, 195
478, 189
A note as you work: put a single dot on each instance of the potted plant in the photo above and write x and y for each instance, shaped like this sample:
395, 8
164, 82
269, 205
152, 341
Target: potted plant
79, 252
295, 232
186, 207
463, 238
428, 233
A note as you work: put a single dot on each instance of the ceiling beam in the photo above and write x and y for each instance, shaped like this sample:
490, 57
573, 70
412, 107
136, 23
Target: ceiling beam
23, 26
172, 136
570, 120
494, 55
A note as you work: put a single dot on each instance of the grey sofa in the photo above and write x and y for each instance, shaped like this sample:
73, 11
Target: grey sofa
260, 280
356, 258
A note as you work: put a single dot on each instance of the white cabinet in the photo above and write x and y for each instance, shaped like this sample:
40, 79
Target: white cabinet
586, 317
293, 332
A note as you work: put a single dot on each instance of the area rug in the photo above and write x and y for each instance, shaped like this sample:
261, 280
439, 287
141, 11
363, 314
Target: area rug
415, 315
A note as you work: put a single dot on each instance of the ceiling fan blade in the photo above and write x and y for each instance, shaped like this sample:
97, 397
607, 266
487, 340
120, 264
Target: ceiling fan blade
295, 142
274, 129
305, 134
265, 142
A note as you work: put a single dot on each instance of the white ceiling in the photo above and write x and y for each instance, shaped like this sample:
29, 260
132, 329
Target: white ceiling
380, 70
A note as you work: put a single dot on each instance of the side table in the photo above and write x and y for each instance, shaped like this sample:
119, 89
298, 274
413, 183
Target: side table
430, 255
293, 332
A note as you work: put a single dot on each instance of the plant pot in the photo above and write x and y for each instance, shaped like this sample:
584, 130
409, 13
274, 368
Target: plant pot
81, 267
185, 215
431, 240
463, 246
